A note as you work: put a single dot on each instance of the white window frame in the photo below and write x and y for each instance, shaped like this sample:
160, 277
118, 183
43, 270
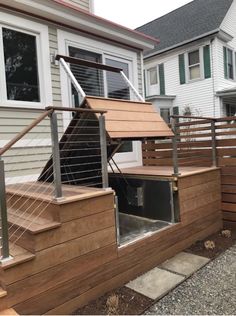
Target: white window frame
40, 31
66, 39
200, 50
233, 62
152, 89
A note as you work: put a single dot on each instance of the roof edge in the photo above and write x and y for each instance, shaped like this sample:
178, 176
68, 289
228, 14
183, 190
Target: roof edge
101, 19
182, 43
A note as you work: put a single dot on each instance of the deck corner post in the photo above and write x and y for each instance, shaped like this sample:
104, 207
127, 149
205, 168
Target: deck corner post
214, 146
175, 148
4, 237
56, 155
103, 144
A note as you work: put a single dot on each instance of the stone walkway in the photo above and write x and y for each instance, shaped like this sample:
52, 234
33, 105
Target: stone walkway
211, 290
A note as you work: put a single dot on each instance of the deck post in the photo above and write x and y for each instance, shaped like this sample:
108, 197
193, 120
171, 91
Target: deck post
214, 147
175, 148
56, 156
4, 238
103, 144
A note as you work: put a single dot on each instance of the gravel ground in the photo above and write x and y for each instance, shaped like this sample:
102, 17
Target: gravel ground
211, 290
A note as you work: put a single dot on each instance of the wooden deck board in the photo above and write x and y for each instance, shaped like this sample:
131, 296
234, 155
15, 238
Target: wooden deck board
45, 192
165, 171
128, 119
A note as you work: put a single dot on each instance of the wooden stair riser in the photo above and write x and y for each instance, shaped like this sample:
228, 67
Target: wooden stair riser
60, 254
37, 207
67, 231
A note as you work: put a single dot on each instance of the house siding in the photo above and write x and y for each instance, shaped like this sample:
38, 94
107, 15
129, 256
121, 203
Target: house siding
82, 4
196, 95
22, 160
140, 73
55, 70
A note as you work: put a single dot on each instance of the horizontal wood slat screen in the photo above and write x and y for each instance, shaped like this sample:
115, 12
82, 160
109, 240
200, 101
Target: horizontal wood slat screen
194, 137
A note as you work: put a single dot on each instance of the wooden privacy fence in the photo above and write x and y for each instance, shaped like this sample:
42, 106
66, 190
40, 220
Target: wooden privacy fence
201, 142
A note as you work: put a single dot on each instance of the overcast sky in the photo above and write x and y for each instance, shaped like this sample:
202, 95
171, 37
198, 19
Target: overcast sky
134, 13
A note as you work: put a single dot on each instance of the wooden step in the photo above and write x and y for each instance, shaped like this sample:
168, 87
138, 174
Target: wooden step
30, 222
3, 293
9, 311
19, 255
23, 227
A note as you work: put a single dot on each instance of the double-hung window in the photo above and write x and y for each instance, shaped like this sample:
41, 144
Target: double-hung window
24, 63
194, 65
155, 80
228, 63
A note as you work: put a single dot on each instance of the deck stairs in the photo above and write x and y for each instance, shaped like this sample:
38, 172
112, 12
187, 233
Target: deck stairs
39, 224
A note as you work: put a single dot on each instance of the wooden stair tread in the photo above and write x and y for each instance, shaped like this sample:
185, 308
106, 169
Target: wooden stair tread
31, 222
44, 192
2, 292
19, 255
9, 311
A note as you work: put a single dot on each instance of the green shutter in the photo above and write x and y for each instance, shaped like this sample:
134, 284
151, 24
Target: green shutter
182, 69
176, 112
207, 61
225, 62
162, 79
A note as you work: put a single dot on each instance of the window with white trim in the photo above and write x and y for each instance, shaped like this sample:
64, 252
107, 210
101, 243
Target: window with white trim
21, 66
230, 66
25, 76
194, 65
152, 76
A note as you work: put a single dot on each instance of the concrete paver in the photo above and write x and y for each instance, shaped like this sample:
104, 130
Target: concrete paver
185, 263
210, 291
155, 283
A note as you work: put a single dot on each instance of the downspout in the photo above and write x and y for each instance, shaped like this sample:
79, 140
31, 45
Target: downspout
213, 78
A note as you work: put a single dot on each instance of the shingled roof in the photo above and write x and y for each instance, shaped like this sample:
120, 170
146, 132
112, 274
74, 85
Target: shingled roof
193, 20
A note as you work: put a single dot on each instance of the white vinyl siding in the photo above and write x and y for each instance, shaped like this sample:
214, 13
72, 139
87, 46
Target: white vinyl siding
30, 154
82, 4
55, 70
221, 82
198, 94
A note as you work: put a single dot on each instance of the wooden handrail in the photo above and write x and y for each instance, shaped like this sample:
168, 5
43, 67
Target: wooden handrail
193, 117
83, 62
25, 131
80, 110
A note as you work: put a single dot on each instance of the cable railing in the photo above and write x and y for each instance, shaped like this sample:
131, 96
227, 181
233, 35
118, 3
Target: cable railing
42, 162
95, 79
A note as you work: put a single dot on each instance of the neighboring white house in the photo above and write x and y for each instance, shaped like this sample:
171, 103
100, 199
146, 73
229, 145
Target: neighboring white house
194, 66
31, 34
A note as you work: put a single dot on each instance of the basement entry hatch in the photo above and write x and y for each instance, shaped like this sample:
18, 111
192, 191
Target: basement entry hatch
144, 203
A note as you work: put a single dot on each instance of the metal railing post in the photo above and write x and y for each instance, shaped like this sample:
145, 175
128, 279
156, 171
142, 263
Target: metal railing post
175, 148
103, 144
5, 253
214, 147
56, 156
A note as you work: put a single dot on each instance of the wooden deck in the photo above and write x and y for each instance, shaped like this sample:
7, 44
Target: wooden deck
45, 191
165, 171
67, 266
